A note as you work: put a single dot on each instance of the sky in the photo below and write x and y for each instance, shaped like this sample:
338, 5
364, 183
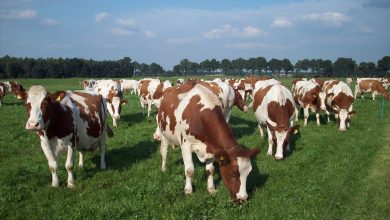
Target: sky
167, 31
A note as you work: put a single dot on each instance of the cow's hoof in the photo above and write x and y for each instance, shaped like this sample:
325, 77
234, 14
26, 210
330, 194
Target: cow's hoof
212, 191
278, 157
188, 191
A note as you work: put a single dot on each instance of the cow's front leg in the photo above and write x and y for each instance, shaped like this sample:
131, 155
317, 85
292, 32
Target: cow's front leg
102, 148
149, 106
52, 163
69, 166
318, 118
305, 115
261, 130
296, 114
210, 179
270, 142
188, 167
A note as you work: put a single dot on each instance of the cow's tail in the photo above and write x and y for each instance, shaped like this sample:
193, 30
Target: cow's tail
109, 131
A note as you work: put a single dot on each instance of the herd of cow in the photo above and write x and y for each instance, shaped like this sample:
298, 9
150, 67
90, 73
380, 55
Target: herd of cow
193, 114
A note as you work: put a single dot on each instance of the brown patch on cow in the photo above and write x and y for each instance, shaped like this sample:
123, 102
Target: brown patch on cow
343, 101
238, 101
143, 85
259, 96
254, 79
241, 85
311, 98
159, 91
330, 85
319, 81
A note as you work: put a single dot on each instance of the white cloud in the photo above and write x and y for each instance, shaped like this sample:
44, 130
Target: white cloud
150, 34
121, 31
282, 23
229, 31
329, 18
179, 41
49, 22
247, 46
129, 23
101, 16
19, 14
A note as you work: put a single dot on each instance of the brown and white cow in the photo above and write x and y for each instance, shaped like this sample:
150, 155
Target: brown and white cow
307, 96
129, 85
3, 91
294, 81
274, 109
66, 121
10, 87
190, 116
339, 99
319, 81
112, 93
180, 81
372, 86
150, 92
88, 84
385, 82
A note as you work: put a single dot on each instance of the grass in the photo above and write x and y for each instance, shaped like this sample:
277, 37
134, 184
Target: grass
328, 175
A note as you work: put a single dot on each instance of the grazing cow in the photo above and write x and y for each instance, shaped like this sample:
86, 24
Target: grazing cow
307, 96
88, 84
227, 95
349, 81
190, 116
180, 81
274, 109
385, 82
112, 93
66, 121
129, 84
339, 99
150, 92
10, 87
369, 85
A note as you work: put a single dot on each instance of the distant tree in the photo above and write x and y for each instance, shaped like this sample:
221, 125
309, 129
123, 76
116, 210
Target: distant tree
226, 65
250, 64
384, 65
239, 65
344, 66
286, 65
275, 65
261, 64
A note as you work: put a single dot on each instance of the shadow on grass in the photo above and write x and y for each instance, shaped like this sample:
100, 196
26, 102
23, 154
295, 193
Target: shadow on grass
133, 118
293, 140
255, 179
242, 131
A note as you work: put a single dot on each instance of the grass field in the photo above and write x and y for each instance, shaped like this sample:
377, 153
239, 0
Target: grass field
329, 174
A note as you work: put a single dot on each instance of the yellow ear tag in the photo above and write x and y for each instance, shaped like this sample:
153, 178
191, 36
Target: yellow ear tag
19, 97
123, 103
58, 98
221, 158
296, 132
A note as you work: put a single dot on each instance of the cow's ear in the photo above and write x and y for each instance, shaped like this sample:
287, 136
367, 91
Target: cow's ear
352, 113
330, 95
123, 102
59, 96
295, 129
222, 158
22, 96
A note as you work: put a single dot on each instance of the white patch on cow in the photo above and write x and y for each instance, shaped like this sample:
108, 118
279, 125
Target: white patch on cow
35, 96
343, 114
245, 167
280, 138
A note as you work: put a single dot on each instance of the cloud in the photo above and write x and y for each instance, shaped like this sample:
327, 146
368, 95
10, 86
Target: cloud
150, 34
129, 23
101, 16
19, 14
49, 22
229, 31
179, 41
282, 23
121, 31
328, 18
247, 46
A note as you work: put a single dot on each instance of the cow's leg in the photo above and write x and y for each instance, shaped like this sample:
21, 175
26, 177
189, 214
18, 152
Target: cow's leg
296, 114
373, 96
210, 179
142, 106
188, 167
149, 106
164, 152
261, 130
69, 166
102, 148
356, 91
81, 159
328, 114
114, 123
270, 142
305, 115
52, 163
318, 118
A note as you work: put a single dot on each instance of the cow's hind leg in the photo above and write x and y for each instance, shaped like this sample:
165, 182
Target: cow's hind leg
69, 166
81, 159
102, 148
164, 152
188, 167
305, 115
270, 142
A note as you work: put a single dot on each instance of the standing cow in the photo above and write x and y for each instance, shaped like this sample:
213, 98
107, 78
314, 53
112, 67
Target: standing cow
112, 93
190, 116
274, 109
150, 92
307, 96
66, 121
129, 85
372, 86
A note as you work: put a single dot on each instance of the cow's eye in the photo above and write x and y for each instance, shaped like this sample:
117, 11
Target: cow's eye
234, 173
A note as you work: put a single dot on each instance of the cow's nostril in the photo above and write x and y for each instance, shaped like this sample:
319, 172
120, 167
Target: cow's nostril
37, 124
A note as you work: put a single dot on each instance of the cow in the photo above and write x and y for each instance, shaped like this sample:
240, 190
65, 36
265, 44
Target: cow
150, 92
111, 91
385, 82
370, 85
3, 91
66, 120
274, 109
180, 81
349, 81
307, 96
129, 84
190, 116
10, 87
88, 84
339, 100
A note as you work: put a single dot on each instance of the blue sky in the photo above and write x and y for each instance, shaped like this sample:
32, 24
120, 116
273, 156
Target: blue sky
167, 31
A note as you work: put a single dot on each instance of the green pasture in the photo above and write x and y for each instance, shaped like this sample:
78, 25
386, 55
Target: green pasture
328, 175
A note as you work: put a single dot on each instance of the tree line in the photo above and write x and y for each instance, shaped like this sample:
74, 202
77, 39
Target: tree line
13, 67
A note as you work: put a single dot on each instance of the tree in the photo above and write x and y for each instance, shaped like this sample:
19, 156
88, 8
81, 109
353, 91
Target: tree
287, 66
384, 65
250, 64
226, 65
238, 65
261, 64
344, 66
275, 65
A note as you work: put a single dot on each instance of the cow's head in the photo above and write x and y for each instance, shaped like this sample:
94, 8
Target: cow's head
343, 114
114, 105
39, 106
281, 136
239, 101
235, 168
